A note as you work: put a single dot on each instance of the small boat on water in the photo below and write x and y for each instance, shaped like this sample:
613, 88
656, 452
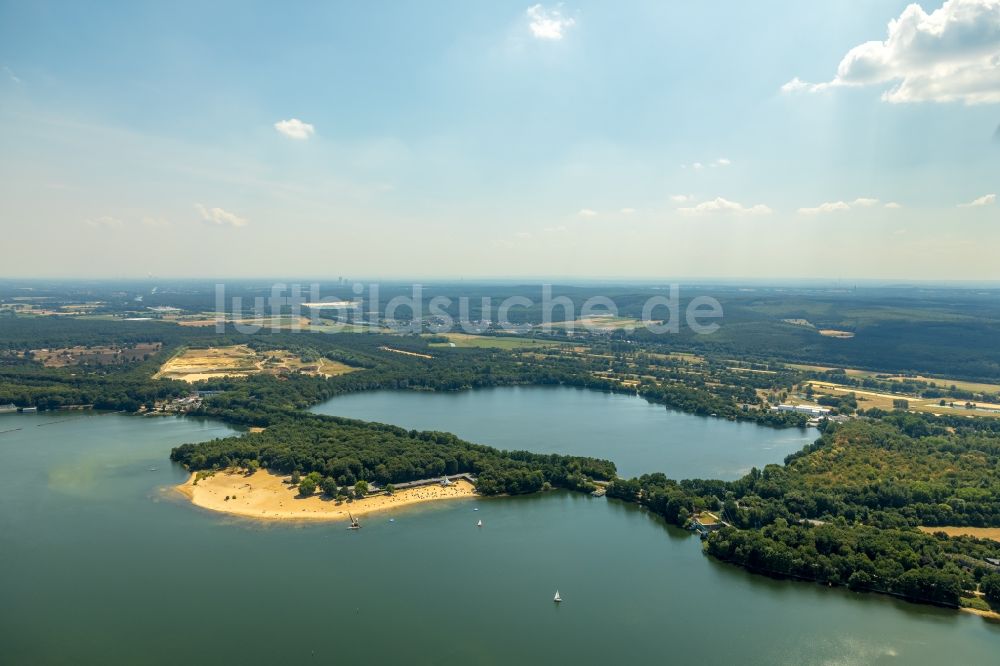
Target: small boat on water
557, 598
479, 524
355, 525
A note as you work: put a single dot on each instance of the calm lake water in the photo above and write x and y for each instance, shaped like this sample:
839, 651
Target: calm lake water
638, 436
101, 564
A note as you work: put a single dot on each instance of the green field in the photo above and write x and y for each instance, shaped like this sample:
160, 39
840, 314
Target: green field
491, 342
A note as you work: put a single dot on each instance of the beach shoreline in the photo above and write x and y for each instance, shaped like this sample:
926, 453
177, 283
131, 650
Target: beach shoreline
991, 616
265, 495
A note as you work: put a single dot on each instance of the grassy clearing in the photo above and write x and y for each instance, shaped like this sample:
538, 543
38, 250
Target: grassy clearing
678, 356
975, 387
869, 399
329, 368
601, 323
493, 342
977, 532
275, 323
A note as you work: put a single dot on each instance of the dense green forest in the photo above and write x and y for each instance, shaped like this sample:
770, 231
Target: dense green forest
347, 451
921, 567
843, 509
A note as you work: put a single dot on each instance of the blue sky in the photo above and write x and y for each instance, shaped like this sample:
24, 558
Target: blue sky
440, 139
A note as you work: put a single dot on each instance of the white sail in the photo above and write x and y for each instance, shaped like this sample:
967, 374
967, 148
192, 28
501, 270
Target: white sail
479, 524
557, 598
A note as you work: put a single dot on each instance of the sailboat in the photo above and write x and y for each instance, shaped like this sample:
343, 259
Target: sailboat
479, 524
557, 598
355, 525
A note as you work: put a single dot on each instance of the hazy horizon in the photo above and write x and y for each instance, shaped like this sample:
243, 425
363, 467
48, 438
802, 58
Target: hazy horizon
305, 281
775, 141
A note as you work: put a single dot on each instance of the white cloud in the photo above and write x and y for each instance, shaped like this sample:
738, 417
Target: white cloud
987, 200
220, 216
892, 205
522, 235
724, 206
949, 55
105, 222
548, 23
587, 212
839, 206
826, 207
13, 77
698, 166
627, 211
796, 85
680, 198
295, 129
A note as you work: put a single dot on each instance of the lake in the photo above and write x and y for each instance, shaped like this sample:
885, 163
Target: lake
101, 563
638, 436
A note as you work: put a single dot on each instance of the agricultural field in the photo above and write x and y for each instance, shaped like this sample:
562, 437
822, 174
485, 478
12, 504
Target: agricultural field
193, 365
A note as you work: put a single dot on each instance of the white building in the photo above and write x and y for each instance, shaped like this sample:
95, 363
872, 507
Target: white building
809, 410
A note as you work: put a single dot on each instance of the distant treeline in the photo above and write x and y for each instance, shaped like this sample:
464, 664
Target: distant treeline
951, 332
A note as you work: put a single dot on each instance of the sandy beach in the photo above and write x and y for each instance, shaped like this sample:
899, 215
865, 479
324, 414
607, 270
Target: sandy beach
988, 615
266, 496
